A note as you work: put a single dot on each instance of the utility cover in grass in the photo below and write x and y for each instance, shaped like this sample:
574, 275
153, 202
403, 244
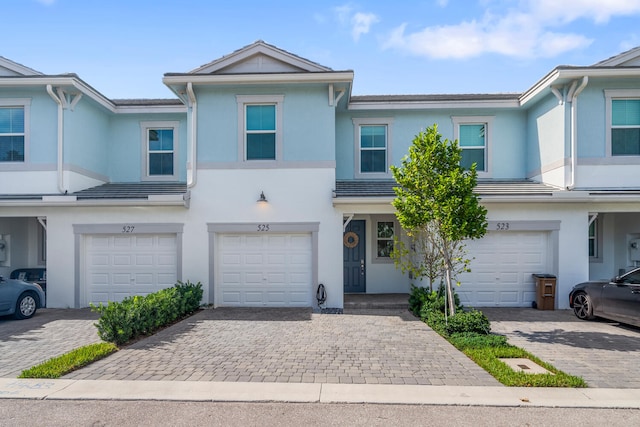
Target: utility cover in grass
525, 365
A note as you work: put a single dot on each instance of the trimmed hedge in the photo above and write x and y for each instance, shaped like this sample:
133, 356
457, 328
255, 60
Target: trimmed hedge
121, 322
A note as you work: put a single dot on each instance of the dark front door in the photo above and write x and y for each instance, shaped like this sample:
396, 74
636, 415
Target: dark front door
353, 257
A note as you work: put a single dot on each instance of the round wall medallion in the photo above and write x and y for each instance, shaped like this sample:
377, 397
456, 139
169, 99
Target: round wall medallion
350, 239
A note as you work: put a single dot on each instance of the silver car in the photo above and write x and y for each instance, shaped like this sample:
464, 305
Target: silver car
19, 298
617, 299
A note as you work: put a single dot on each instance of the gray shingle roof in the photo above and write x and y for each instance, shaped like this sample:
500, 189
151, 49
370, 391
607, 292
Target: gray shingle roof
130, 190
384, 188
436, 97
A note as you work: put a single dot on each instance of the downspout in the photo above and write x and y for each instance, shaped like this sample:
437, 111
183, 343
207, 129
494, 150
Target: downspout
59, 101
192, 139
574, 130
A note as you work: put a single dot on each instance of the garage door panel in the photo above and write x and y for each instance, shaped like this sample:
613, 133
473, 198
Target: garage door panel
118, 266
272, 270
501, 268
231, 259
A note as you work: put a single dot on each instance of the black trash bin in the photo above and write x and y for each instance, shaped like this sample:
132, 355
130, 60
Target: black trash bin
545, 291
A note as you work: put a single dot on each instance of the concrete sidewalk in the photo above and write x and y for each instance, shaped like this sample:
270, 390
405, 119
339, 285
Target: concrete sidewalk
205, 391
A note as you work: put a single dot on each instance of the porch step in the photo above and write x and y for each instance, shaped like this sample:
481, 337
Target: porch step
376, 301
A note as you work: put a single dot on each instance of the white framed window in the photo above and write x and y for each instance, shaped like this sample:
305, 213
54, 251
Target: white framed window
14, 130
372, 143
260, 127
473, 134
595, 238
159, 150
385, 229
623, 122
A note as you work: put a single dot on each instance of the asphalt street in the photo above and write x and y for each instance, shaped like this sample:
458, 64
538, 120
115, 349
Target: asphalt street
152, 413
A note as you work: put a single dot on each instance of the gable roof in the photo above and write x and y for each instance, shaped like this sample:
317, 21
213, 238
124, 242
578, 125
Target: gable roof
625, 59
259, 57
11, 68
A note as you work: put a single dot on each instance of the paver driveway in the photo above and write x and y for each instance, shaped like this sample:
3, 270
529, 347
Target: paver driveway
50, 333
293, 345
605, 354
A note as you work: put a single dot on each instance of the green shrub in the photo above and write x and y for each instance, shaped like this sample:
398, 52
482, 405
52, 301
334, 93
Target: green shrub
136, 316
463, 321
417, 298
473, 340
423, 301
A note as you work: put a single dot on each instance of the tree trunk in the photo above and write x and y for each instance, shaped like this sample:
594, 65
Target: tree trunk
448, 269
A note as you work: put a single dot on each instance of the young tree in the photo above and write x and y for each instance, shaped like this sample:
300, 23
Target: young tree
435, 197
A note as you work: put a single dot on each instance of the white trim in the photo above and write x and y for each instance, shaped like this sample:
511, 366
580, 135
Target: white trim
242, 102
358, 122
610, 95
477, 120
255, 164
144, 158
25, 104
225, 79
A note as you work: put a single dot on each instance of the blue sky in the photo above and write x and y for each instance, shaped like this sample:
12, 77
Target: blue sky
123, 47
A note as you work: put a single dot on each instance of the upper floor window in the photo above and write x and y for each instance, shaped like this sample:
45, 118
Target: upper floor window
625, 127
160, 149
472, 134
261, 132
14, 116
373, 147
623, 122
260, 127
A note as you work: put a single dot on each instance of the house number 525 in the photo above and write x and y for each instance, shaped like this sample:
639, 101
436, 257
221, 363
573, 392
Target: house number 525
263, 227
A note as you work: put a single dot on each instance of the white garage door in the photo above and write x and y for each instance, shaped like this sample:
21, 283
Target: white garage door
264, 270
118, 266
502, 268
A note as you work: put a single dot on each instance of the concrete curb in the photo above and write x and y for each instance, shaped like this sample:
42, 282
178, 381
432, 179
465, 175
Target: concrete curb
317, 393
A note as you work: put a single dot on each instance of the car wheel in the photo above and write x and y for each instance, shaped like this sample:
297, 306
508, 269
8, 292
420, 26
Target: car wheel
582, 306
26, 306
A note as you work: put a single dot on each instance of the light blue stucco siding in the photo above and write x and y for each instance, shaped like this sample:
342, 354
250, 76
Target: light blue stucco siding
308, 123
507, 141
546, 135
43, 124
125, 145
86, 136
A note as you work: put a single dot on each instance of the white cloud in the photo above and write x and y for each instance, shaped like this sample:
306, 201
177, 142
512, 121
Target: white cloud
343, 12
527, 29
46, 2
362, 23
442, 3
600, 11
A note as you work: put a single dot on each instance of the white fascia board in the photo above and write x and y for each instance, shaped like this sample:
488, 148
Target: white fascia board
180, 201
141, 109
224, 79
61, 82
420, 105
362, 201
575, 73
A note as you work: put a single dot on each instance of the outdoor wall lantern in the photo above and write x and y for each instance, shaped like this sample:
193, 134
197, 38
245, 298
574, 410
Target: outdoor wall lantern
262, 198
